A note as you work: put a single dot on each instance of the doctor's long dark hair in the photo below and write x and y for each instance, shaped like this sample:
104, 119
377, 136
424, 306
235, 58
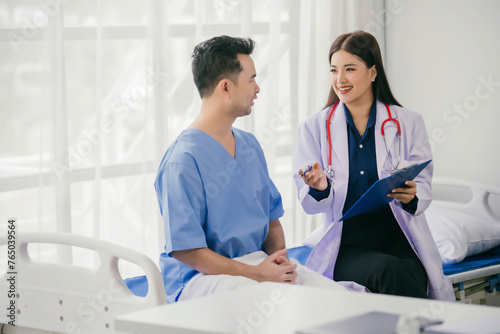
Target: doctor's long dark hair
364, 46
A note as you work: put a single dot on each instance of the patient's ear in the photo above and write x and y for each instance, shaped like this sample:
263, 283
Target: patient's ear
224, 88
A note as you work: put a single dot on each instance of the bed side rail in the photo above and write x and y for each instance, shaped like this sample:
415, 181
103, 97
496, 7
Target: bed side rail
68, 298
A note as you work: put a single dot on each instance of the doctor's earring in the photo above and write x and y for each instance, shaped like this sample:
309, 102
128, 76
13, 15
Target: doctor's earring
373, 79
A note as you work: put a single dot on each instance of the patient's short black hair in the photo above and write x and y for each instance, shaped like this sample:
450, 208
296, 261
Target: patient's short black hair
216, 59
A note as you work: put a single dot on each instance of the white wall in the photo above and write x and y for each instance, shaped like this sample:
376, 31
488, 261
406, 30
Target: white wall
439, 54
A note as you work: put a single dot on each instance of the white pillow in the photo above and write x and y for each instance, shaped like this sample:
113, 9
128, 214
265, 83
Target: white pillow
459, 235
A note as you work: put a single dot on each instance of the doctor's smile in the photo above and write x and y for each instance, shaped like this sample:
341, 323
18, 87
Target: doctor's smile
344, 90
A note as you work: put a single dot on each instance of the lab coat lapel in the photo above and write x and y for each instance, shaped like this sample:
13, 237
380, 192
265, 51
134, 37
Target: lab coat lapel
390, 135
338, 128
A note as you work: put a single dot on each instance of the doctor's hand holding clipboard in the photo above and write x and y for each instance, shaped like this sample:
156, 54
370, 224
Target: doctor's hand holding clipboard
386, 190
362, 134
405, 194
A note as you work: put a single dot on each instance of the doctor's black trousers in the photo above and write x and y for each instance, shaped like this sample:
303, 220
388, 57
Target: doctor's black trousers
375, 253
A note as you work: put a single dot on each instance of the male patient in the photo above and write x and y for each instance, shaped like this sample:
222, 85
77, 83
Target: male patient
220, 208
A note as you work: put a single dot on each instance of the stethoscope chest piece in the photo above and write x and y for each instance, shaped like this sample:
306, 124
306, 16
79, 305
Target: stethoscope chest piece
329, 172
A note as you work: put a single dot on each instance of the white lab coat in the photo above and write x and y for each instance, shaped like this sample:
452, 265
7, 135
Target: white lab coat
313, 146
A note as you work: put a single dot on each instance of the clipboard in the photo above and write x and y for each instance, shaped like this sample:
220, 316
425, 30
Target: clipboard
376, 196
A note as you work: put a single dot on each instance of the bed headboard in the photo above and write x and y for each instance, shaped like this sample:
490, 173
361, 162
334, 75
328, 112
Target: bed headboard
73, 299
476, 199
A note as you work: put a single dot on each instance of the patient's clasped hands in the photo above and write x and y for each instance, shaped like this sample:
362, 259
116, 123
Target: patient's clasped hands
277, 268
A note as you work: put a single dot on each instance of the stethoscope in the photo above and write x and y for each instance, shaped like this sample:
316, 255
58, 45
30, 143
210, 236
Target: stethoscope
329, 170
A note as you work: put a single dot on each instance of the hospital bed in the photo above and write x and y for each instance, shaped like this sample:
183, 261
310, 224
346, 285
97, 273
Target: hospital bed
59, 298
53, 297
477, 277
463, 222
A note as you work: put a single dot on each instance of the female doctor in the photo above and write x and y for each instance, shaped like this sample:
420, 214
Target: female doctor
364, 134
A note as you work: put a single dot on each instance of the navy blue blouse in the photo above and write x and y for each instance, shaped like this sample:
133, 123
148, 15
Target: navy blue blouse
362, 163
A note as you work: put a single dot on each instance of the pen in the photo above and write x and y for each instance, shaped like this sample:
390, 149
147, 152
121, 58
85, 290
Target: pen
308, 169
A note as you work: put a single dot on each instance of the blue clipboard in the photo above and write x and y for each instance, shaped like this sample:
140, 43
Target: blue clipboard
376, 196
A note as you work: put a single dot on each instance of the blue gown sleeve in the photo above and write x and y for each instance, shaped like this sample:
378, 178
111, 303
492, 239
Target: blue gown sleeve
182, 203
276, 210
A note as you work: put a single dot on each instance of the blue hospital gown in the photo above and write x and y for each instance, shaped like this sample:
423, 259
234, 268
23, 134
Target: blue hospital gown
209, 199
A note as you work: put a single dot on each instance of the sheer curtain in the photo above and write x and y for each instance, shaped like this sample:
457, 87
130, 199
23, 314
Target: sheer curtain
93, 92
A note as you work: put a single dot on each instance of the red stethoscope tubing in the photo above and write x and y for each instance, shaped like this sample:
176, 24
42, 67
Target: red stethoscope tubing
328, 134
390, 119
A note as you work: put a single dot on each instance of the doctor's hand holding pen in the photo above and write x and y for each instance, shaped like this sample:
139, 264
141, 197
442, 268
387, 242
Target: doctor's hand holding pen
314, 177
